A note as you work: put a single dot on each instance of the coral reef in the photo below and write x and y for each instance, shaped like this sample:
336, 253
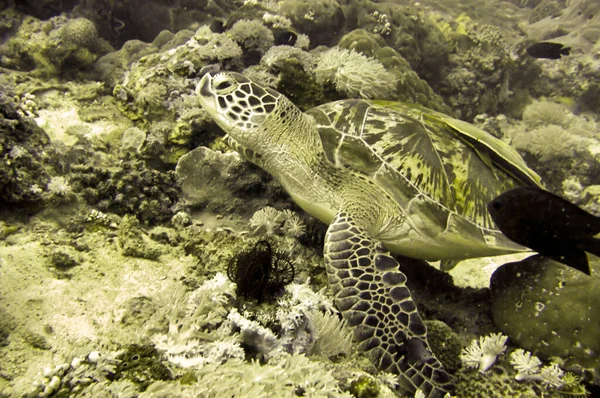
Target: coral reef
166, 321
409, 87
133, 189
498, 382
140, 364
54, 47
556, 142
476, 78
133, 240
254, 38
408, 31
22, 145
144, 20
318, 19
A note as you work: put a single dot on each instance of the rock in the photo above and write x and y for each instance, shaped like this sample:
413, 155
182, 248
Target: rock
223, 183
551, 310
319, 19
135, 242
202, 172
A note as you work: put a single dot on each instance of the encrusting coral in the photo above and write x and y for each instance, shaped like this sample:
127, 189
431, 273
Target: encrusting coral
132, 188
53, 47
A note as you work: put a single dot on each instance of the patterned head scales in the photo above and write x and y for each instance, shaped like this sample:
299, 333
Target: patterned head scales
235, 103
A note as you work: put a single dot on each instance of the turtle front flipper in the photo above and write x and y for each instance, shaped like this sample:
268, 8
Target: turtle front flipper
372, 295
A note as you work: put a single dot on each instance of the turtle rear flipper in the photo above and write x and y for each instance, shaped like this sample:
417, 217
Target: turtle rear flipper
372, 295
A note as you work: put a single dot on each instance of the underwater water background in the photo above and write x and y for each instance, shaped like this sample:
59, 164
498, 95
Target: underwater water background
141, 256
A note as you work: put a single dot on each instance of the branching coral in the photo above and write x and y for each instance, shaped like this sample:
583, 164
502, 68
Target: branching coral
262, 340
133, 188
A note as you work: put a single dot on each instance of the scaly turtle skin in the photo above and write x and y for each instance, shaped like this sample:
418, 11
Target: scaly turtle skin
386, 177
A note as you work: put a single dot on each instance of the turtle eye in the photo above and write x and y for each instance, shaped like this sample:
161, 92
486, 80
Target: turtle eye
223, 86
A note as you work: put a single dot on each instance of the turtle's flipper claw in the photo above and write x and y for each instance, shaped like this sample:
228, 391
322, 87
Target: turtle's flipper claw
371, 292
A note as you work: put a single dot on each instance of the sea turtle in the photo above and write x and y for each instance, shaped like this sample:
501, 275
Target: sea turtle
386, 177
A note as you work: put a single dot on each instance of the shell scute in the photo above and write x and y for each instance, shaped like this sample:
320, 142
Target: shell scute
410, 151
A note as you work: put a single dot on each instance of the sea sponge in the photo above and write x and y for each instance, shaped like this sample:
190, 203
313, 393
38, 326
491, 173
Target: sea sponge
79, 32
355, 74
551, 310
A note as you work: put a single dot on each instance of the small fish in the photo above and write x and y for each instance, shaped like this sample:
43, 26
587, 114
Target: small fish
217, 26
548, 224
285, 37
548, 50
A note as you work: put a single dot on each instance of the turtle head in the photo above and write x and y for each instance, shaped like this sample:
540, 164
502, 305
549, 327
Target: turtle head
263, 125
237, 104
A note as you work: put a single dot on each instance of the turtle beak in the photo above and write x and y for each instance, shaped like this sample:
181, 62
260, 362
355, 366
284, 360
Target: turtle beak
207, 97
203, 88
